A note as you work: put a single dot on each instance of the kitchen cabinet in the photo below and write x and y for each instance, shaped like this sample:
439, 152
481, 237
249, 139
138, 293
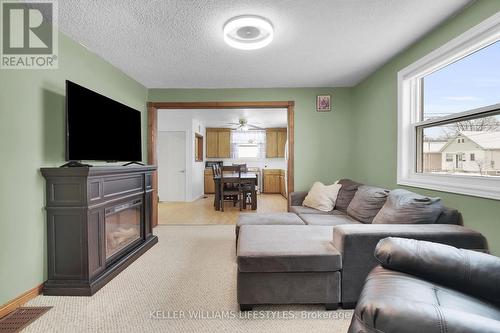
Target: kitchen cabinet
224, 146
271, 143
209, 181
212, 143
281, 142
275, 142
274, 181
271, 180
218, 142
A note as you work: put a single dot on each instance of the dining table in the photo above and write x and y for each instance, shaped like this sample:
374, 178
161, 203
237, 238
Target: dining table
247, 178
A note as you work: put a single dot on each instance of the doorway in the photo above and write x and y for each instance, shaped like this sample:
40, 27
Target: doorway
171, 166
153, 108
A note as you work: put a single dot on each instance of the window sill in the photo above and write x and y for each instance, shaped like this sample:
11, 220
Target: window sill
482, 187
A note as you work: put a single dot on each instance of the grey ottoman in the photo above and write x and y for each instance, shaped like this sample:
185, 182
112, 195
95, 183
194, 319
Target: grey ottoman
267, 219
289, 264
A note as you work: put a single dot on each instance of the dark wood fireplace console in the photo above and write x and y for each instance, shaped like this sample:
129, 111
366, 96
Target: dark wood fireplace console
98, 222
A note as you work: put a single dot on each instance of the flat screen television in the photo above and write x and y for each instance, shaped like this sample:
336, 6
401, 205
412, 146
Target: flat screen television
99, 128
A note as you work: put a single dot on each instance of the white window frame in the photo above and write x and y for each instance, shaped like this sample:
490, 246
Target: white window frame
409, 106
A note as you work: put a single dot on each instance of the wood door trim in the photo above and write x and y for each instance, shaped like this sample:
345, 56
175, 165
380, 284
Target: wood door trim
153, 160
20, 300
220, 105
153, 132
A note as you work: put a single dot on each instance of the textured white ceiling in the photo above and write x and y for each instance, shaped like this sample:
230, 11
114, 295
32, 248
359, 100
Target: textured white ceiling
318, 43
222, 117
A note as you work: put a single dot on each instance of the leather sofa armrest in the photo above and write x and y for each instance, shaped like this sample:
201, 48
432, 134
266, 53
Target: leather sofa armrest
400, 316
357, 242
296, 198
471, 272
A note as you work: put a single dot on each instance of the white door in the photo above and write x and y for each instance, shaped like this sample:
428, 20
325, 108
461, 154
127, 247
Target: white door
172, 166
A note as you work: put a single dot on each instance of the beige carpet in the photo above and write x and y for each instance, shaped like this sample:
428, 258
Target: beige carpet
192, 270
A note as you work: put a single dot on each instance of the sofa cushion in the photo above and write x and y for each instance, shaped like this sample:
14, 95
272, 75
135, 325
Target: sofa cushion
307, 210
322, 197
346, 193
331, 219
267, 219
397, 302
367, 202
292, 248
405, 207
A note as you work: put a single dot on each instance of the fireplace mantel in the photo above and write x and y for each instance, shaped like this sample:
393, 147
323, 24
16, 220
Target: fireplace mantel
79, 202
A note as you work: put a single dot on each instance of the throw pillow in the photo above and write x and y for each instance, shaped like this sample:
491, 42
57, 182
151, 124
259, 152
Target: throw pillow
322, 197
346, 194
366, 203
405, 207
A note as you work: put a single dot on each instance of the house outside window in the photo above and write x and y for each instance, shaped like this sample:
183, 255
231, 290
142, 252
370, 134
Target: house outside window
448, 110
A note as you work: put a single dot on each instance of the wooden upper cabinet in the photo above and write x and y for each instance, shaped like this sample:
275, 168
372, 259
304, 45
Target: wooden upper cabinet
281, 143
218, 142
271, 143
224, 143
275, 142
212, 143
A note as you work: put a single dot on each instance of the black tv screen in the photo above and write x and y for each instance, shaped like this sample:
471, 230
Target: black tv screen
99, 128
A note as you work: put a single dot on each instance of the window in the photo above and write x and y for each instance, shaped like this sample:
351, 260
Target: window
248, 144
449, 104
248, 151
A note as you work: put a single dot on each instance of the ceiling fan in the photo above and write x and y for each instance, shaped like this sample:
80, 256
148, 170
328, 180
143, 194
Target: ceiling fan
243, 125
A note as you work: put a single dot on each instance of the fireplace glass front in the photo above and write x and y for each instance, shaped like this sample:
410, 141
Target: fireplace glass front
123, 226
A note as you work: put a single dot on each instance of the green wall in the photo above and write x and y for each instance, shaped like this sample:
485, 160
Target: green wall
374, 134
322, 142
31, 136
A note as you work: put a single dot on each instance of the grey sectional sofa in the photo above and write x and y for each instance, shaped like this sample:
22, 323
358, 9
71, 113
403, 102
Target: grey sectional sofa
340, 215
428, 287
309, 256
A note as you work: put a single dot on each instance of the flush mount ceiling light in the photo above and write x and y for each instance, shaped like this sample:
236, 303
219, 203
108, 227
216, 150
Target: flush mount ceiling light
248, 32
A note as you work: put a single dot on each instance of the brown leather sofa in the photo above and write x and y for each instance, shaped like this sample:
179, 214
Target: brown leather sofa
428, 287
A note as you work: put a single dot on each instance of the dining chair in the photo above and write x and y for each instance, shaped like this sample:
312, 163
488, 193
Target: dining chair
246, 188
215, 173
242, 166
230, 186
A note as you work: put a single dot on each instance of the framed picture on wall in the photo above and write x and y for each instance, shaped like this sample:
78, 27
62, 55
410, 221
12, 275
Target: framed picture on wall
323, 103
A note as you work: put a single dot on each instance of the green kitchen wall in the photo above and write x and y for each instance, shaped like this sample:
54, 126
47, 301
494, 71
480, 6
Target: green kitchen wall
374, 134
32, 129
321, 138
